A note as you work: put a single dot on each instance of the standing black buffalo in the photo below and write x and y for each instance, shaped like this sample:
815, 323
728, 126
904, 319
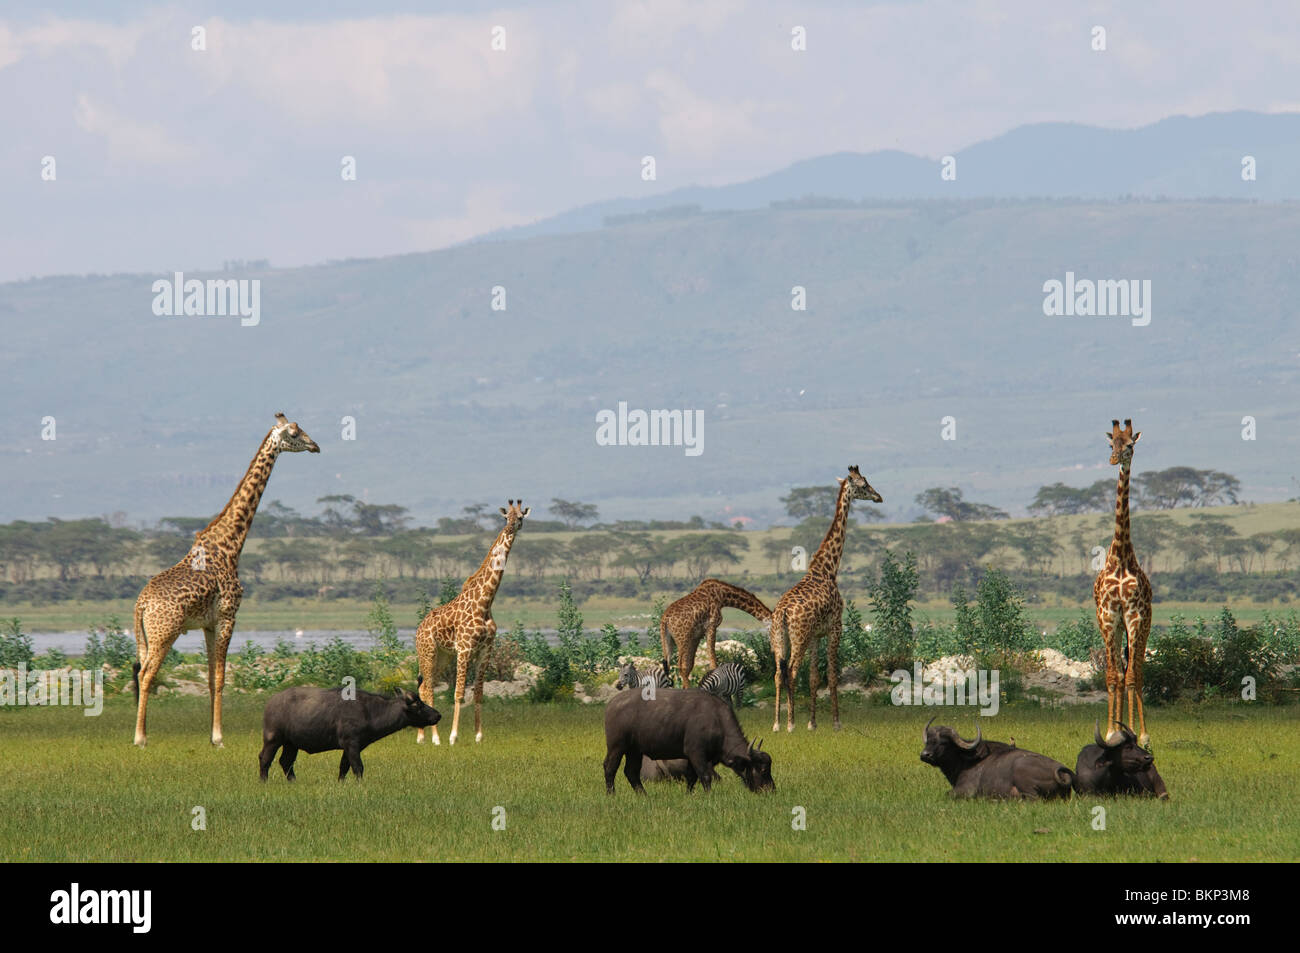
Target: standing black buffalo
993, 769
320, 719
680, 723
1120, 767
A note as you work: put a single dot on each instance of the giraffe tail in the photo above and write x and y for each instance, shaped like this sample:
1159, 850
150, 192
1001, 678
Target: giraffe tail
141, 648
663, 640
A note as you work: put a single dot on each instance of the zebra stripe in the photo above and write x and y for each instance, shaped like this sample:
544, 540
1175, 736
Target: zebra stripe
726, 681
629, 677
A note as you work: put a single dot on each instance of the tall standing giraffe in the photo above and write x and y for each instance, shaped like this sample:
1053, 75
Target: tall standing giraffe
202, 591
1123, 596
814, 608
697, 615
465, 626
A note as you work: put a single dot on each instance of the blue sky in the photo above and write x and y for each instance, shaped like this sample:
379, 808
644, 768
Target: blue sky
169, 158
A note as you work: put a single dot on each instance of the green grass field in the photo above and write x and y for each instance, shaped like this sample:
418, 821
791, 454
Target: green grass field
75, 789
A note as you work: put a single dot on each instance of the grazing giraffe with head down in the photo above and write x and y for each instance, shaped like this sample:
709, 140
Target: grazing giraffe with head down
1123, 596
814, 608
202, 591
697, 615
465, 626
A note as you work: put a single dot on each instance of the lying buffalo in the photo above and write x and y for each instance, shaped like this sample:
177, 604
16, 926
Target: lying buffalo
321, 719
680, 723
674, 770
1119, 767
993, 769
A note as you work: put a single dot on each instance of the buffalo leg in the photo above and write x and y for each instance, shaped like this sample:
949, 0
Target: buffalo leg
287, 757
612, 757
269, 748
343, 766
632, 770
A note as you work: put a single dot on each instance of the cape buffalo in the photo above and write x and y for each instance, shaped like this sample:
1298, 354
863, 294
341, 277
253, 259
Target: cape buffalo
680, 723
1120, 767
993, 769
314, 719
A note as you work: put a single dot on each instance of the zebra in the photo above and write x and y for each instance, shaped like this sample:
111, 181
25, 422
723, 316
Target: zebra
727, 681
629, 677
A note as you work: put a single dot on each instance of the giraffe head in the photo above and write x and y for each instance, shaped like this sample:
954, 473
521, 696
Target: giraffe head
289, 437
515, 515
1121, 442
859, 488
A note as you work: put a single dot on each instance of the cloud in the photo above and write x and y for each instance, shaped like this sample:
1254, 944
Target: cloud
129, 140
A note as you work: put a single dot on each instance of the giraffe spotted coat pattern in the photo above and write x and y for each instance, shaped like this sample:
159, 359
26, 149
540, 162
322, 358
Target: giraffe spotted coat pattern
697, 615
813, 609
202, 591
464, 626
1123, 596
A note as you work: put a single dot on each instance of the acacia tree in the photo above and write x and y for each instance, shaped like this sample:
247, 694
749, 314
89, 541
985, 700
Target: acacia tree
573, 513
947, 501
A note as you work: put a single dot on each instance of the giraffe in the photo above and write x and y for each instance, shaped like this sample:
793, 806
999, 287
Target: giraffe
698, 614
464, 626
202, 591
1123, 596
814, 608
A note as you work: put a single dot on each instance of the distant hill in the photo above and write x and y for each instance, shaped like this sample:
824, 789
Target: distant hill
1179, 157
916, 311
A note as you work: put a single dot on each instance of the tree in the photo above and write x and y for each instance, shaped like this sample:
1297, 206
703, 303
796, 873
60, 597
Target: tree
1061, 500
817, 502
643, 554
572, 513
947, 501
701, 552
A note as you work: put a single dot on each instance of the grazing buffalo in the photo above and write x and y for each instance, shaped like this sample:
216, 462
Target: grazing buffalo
312, 719
680, 723
1120, 767
993, 769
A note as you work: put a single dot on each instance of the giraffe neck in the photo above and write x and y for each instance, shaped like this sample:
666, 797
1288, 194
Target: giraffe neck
736, 598
224, 537
487, 578
1122, 547
827, 558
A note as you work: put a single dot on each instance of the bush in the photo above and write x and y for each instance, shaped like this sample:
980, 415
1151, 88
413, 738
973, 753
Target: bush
891, 609
15, 646
1198, 662
115, 650
1076, 639
329, 666
389, 651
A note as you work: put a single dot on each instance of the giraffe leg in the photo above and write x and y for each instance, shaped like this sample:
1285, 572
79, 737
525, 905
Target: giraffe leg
687, 663
1137, 623
813, 677
210, 643
1109, 620
833, 667
778, 641
149, 665
715, 620
797, 648
428, 662
462, 671
478, 689
217, 676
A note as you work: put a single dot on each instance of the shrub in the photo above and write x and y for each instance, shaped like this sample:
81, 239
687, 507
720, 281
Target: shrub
15, 646
1076, 639
891, 609
330, 665
389, 651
